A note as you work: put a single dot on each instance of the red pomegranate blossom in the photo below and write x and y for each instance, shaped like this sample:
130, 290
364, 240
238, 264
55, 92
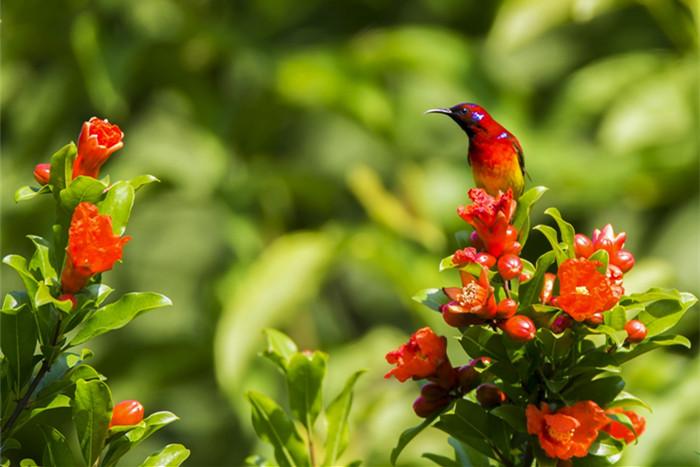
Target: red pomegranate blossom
92, 247
491, 218
420, 357
583, 290
471, 303
569, 431
619, 431
605, 239
98, 140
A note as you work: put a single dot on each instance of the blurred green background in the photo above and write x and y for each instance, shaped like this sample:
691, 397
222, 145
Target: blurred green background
304, 189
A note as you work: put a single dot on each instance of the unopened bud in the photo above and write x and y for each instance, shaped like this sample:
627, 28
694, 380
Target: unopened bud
519, 328
490, 396
636, 330
42, 173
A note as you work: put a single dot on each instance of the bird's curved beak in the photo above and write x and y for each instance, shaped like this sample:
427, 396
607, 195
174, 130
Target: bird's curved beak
438, 111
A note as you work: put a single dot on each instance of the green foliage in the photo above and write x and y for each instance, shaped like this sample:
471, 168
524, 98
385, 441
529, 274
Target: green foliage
304, 373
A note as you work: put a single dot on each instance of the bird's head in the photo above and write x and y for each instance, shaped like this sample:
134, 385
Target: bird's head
472, 118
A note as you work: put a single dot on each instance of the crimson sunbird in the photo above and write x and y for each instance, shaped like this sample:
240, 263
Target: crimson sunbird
495, 153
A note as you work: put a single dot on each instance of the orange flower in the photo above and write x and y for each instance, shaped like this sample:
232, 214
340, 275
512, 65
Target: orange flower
619, 431
92, 247
473, 300
98, 140
583, 290
490, 218
569, 431
420, 357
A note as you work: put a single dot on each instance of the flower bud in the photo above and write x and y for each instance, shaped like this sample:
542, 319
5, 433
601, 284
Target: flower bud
636, 330
583, 246
509, 266
42, 173
595, 319
425, 408
490, 396
468, 378
506, 308
547, 288
128, 412
511, 234
433, 392
486, 260
624, 260
519, 328
524, 277
560, 324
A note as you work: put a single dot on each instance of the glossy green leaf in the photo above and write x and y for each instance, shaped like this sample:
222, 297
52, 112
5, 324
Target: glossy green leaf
551, 236
432, 298
603, 257
62, 168
43, 297
92, 410
18, 340
41, 260
280, 348
131, 436
171, 455
82, 189
409, 434
662, 315
481, 342
28, 463
602, 391
141, 180
625, 399
26, 193
513, 415
565, 229
337, 414
530, 291
57, 452
616, 318
118, 314
442, 461
15, 301
117, 204
474, 426
305, 375
19, 264
521, 218
446, 263
649, 344
275, 427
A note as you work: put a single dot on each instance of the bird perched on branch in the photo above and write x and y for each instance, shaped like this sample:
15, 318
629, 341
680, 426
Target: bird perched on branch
495, 154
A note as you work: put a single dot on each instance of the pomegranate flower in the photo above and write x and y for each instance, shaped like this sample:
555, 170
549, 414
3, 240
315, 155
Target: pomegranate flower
473, 300
619, 431
491, 218
92, 247
583, 290
568, 432
605, 239
98, 140
420, 357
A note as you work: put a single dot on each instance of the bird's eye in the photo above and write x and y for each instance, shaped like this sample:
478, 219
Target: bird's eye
463, 110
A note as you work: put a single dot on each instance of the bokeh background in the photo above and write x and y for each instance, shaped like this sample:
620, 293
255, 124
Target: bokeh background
303, 188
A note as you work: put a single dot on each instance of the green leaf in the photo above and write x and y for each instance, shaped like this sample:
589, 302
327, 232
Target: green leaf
513, 415
117, 205
19, 264
141, 180
521, 218
30, 192
171, 455
276, 428
602, 391
28, 463
603, 257
618, 337
56, 450
622, 356
92, 409
118, 314
479, 342
41, 261
15, 301
18, 340
565, 229
280, 348
43, 297
337, 414
616, 318
62, 168
662, 315
133, 435
432, 298
551, 236
442, 461
408, 435
625, 399
82, 189
474, 426
305, 375
530, 291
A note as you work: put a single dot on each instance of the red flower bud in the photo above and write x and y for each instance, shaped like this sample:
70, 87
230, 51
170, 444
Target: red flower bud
595, 319
98, 140
486, 260
624, 260
519, 328
425, 408
511, 234
42, 173
490, 396
636, 330
583, 246
560, 324
524, 277
468, 378
126, 413
506, 308
71, 297
433, 392
509, 266
547, 288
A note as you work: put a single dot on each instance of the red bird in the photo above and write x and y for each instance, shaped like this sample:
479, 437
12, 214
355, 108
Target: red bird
495, 153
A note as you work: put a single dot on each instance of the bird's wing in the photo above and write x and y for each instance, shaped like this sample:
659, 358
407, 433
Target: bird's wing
521, 158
